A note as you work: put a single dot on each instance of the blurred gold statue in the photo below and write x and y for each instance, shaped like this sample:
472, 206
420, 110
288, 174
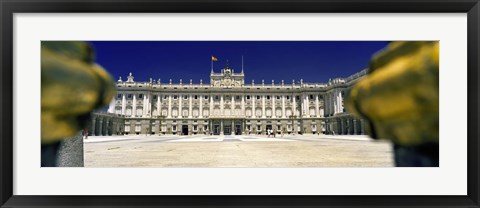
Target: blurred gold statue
73, 85
400, 99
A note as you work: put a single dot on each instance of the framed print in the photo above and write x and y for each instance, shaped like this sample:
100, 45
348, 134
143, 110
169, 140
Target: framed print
218, 103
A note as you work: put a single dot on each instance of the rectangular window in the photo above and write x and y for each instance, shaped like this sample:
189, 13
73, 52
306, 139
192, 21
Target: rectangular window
206, 97
196, 97
278, 97
311, 97
174, 97
185, 97
248, 97
127, 128
140, 96
119, 96
258, 97
268, 97
237, 97
129, 96
154, 97
288, 97
174, 128
195, 127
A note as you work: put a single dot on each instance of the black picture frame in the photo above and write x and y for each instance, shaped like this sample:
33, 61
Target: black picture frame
10, 7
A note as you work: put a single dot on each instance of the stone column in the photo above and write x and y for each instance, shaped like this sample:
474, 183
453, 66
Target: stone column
274, 111
339, 99
283, 106
169, 113
124, 104
200, 110
70, 152
243, 104
149, 105
294, 105
232, 129
93, 126
232, 105
106, 127
326, 104
355, 126
263, 106
145, 105
221, 105
211, 104
221, 127
190, 106
180, 109
341, 127
210, 124
134, 108
100, 127
307, 105
253, 106
159, 105
332, 105
317, 107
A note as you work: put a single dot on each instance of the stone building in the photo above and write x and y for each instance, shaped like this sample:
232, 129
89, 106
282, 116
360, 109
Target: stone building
228, 106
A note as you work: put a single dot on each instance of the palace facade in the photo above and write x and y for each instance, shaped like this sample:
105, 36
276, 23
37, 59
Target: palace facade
228, 106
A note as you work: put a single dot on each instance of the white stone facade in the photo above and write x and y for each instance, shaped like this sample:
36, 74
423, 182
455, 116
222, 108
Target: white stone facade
227, 105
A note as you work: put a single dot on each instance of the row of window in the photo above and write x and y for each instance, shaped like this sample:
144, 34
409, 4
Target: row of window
185, 97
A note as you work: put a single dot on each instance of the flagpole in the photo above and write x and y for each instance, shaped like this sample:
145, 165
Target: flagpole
242, 64
211, 60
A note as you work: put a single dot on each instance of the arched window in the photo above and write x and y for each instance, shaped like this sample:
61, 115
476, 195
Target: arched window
268, 112
288, 112
278, 112
258, 112
248, 112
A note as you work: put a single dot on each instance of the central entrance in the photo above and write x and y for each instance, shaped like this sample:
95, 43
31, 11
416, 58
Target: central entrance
227, 127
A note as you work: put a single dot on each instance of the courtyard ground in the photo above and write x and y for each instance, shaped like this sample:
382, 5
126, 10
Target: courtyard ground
246, 151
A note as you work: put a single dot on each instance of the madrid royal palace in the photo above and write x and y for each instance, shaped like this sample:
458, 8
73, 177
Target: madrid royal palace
227, 105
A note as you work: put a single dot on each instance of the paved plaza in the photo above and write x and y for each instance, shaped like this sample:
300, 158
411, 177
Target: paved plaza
246, 151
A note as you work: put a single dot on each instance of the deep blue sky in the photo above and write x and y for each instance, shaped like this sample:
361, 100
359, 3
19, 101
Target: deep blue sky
312, 61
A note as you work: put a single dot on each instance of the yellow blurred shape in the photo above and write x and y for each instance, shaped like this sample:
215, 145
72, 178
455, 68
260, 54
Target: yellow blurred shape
73, 85
400, 95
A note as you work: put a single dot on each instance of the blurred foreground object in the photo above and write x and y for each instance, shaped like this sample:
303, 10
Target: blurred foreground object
400, 99
73, 85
